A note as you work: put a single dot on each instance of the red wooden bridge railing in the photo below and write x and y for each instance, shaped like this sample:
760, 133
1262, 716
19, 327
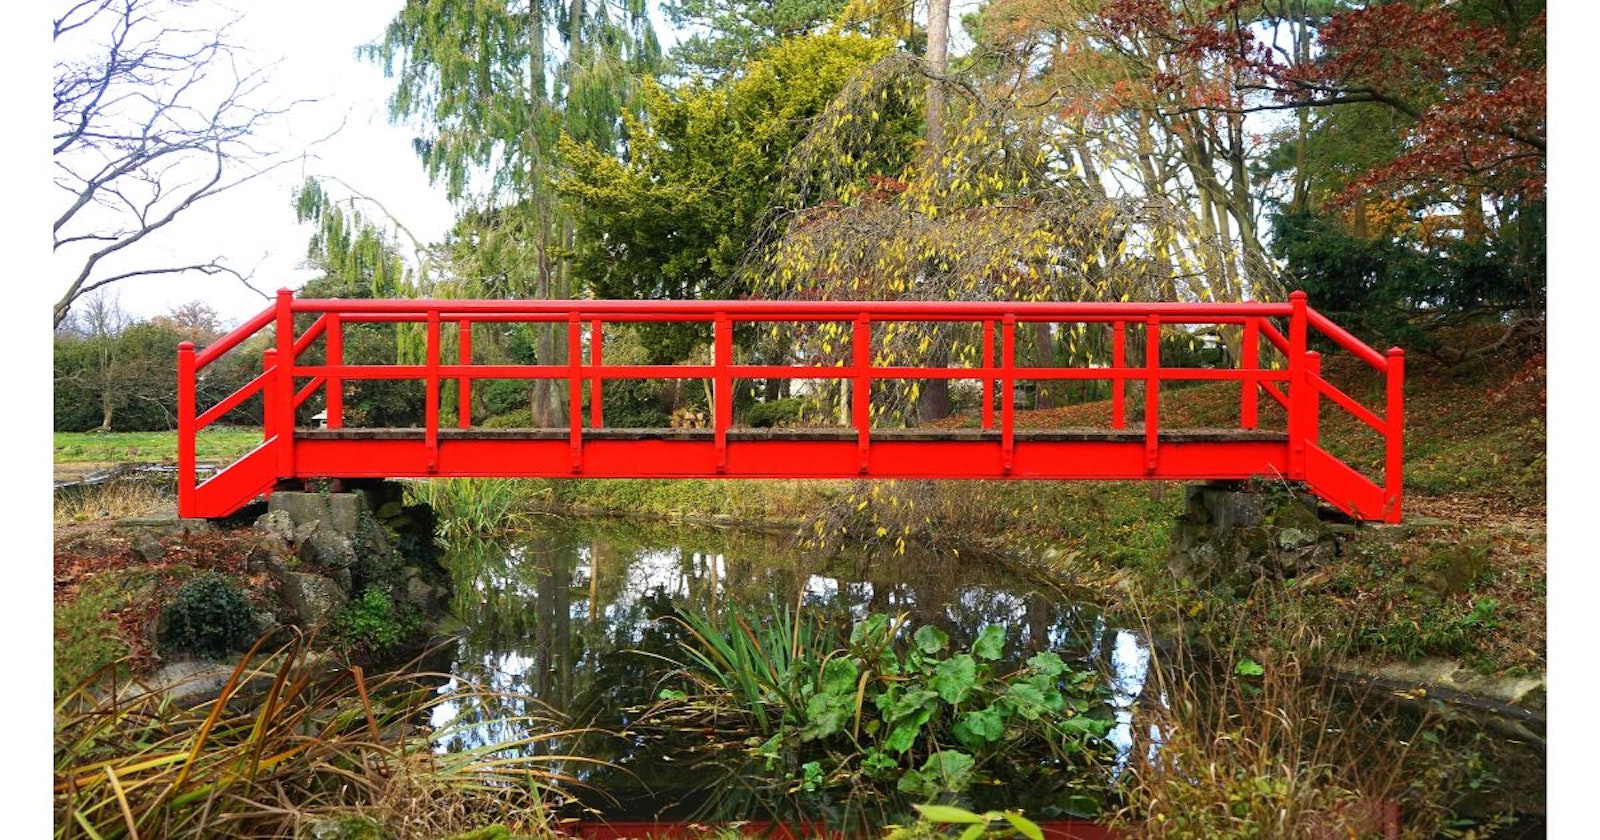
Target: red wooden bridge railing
1274, 359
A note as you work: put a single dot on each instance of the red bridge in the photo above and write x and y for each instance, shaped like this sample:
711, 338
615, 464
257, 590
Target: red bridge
1273, 359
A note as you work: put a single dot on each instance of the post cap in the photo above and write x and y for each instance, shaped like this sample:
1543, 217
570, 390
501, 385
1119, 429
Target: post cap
185, 347
1395, 351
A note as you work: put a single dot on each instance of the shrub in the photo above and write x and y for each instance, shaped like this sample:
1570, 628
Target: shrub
208, 616
519, 419
375, 622
782, 412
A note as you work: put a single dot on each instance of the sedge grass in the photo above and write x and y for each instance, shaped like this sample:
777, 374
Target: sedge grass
1247, 748
110, 500
287, 743
483, 507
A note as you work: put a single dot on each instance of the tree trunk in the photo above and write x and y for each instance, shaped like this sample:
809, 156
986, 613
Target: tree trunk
1043, 356
938, 64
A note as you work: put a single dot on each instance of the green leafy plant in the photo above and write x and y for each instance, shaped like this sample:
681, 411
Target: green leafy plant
208, 616
375, 621
888, 715
941, 820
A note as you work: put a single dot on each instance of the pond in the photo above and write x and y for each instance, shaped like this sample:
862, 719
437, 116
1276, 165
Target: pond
578, 617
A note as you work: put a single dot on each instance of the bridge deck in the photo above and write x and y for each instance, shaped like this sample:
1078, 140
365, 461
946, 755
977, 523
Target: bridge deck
1084, 434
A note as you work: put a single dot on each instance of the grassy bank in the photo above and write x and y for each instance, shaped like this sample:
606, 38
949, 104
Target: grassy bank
216, 444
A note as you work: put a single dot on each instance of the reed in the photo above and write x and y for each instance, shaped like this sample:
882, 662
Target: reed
480, 506
288, 744
113, 499
1246, 748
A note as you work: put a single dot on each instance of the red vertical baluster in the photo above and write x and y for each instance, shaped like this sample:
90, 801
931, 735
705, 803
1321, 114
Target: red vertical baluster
1394, 434
1152, 391
988, 374
269, 394
464, 382
335, 407
1008, 391
861, 390
722, 390
575, 388
1119, 385
1250, 362
186, 428
430, 422
1313, 424
596, 358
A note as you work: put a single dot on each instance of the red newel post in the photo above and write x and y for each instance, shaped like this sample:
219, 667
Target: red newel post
281, 406
186, 427
1299, 386
1394, 435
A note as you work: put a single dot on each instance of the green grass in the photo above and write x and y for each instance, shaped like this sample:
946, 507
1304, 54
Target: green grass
212, 444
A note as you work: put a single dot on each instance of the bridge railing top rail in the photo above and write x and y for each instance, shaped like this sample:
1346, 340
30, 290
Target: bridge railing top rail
796, 310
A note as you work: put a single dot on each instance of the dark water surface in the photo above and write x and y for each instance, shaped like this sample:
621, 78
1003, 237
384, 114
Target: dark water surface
575, 617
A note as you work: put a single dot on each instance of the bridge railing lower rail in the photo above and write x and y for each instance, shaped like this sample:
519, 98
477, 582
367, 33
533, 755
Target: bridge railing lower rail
1274, 358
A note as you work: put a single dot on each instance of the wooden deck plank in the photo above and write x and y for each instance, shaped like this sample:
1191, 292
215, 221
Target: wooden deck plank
824, 434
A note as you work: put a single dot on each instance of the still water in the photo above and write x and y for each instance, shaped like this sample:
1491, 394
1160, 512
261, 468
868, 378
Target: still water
571, 625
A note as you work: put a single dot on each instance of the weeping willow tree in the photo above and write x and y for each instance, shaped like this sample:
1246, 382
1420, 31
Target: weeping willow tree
351, 251
492, 85
995, 211
357, 258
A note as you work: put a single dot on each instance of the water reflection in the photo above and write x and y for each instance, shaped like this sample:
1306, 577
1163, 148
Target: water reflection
569, 618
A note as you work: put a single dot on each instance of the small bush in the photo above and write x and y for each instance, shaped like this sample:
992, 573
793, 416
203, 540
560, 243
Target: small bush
208, 616
783, 412
521, 419
375, 622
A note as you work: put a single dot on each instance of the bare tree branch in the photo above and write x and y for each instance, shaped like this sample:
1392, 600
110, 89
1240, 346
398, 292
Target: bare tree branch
151, 117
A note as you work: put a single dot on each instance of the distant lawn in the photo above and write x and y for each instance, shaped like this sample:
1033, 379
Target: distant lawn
213, 444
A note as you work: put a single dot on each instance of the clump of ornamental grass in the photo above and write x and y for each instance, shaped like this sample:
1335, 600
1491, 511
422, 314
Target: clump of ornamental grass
109, 500
1247, 744
483, 507
289, 744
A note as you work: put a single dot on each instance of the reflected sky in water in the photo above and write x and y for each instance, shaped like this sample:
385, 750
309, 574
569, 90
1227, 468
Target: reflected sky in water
568, 622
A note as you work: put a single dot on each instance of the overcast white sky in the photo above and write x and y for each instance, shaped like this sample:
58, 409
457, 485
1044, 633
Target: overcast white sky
253, 227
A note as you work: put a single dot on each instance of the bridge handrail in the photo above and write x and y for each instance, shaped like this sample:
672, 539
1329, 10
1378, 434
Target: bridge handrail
800, 310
